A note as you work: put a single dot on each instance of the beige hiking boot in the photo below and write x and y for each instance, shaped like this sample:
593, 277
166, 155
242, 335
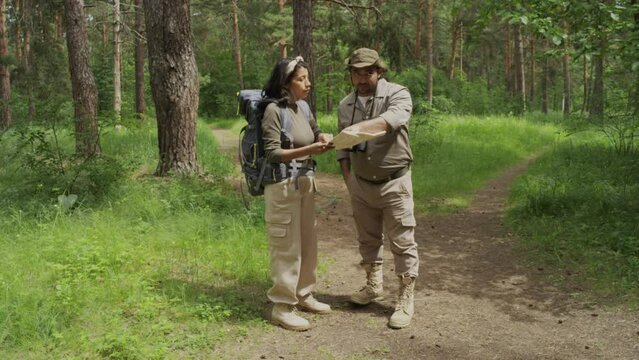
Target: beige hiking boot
405, 306
374, 290
285, 316
310, 304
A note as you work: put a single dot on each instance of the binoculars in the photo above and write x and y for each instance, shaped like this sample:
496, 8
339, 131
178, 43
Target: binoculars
361, 147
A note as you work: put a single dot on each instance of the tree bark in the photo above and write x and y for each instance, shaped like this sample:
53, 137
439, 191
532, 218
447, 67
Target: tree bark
597, 98
85, 91
519, 66
117, 63
507, 61
282, 42
418, 30
236, 44
453, 48
5, 80
533, 70
140, 103
303, 38
544, 82
429, 49
27, 56
584, 105
18, 32
566, 72
174, 83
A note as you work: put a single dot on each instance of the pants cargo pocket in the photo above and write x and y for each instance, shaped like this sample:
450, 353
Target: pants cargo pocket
278, 230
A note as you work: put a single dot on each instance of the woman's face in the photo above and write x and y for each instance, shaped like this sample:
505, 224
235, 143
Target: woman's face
300, 85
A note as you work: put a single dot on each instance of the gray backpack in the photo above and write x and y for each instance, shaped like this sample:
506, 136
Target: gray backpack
256, 169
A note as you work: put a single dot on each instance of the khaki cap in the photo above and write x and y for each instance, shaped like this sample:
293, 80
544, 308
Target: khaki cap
364, 57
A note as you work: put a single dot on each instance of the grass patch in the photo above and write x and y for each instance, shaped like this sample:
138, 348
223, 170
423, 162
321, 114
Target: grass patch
578, 208
154, 268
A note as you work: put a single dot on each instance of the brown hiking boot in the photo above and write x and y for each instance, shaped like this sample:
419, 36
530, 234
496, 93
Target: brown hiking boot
374, 290
405, 307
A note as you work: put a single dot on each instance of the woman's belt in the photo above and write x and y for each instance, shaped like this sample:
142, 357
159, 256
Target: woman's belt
396, 175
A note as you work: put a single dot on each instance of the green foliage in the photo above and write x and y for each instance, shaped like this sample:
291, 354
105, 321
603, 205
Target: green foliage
577, 207
158, 266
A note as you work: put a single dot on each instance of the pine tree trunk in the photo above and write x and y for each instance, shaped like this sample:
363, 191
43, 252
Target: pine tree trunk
140, 103
519, 66
117, 63
533, 70
236, 44
174, 83
584, 105
544, 82
507, 61
27, 56
85, 91
453, 49
5, 81
303, 38
418, 31
597, 98
429, 49
18, 32
566, 71
282, 42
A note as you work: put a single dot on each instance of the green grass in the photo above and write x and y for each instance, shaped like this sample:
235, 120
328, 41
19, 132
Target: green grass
155, 268
578, 208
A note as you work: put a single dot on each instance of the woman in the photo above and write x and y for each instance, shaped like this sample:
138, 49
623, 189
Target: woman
290, 213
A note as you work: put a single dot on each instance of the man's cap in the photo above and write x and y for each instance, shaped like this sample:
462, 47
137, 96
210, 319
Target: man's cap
364, 57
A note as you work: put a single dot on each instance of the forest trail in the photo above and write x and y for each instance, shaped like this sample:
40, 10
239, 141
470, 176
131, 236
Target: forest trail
475, 297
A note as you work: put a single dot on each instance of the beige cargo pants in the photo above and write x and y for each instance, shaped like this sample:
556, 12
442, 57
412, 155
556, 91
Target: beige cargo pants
386, 209
290, 222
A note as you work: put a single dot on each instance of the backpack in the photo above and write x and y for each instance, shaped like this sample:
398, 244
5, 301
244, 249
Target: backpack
256, 169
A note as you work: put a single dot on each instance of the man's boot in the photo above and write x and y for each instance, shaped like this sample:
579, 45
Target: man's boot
284, 316
405, 307
373, 291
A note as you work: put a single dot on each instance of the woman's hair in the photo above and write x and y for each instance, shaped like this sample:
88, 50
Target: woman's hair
282, 74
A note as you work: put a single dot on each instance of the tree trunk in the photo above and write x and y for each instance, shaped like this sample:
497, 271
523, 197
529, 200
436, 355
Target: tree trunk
597, 99
117, 63
544, 82
174, 83
533, 70
418, 31
5, 81
566, 70
584, 105
519, 66
58, 27
85, 91
140, 103
635, 98
453, 48
27, 56
429, 49
236, 44
282, 42
18, 33
507, 61
329, 89
303, 38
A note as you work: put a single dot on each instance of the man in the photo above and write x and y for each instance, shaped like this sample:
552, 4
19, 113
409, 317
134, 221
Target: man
378, 177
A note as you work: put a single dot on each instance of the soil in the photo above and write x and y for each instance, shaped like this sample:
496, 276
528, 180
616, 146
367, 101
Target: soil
475, 298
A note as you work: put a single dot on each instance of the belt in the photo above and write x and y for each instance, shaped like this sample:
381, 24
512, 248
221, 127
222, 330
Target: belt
396, 175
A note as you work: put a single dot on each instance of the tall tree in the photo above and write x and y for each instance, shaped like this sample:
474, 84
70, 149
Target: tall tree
174, 83
236, 44
140, 104
303, 38
565, 61
520, 76
117, 62
429, 49
27, 56
85, 91
282, 41
5, 81
418, 30
456, 31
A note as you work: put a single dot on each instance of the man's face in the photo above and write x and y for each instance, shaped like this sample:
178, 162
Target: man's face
365, 80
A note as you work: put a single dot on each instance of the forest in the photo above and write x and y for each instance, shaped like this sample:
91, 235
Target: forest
125, 234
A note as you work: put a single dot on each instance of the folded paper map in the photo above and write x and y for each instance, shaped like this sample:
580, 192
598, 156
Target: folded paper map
347, 139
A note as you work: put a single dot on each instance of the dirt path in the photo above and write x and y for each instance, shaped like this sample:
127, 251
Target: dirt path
475, 298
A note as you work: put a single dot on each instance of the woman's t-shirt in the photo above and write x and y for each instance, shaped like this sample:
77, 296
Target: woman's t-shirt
304, 132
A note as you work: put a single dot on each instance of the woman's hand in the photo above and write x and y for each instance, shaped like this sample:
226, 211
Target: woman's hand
325, 137
318, 148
